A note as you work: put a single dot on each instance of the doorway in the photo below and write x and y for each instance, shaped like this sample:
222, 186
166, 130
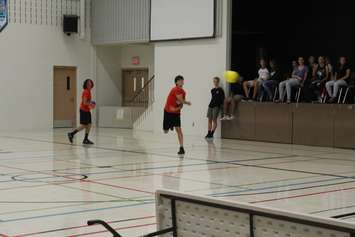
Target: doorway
64, 102
133, 81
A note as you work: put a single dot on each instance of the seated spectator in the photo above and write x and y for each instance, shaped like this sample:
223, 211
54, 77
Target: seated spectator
330, 67
341, 78
263, 75
299, 75
320, 76
275, 78
230, 103
311, 64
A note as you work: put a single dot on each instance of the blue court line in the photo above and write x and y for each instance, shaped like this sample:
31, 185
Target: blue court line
280, 191
76, 212
275, 186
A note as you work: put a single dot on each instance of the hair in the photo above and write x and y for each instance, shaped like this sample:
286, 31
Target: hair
179, 78
85, 84
217, 79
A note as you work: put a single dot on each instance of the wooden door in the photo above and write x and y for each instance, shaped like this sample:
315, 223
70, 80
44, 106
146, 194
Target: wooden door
133, 82
64, 103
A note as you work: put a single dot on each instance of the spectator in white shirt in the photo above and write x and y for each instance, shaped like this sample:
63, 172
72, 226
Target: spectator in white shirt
263, 75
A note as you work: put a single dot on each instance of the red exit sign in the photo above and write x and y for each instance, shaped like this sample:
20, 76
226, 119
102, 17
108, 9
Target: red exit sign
135, 60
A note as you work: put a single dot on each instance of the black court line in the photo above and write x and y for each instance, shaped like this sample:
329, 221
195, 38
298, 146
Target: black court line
212, 161
344, 215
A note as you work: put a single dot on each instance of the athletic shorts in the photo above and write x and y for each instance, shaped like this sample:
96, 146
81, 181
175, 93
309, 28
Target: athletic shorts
85, 117
213, 113
171, 121
251, 83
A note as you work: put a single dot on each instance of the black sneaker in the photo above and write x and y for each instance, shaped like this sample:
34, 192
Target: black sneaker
70, 137
88, 142
181, 151
208, 135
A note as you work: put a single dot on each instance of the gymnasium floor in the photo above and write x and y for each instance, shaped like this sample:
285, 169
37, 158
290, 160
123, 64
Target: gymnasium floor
50, 188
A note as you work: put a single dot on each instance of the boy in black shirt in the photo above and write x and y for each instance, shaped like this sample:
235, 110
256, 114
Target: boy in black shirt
215, 107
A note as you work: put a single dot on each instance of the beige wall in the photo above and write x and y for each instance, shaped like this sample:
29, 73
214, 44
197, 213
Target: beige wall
198, 61
110, 60
29, 53
144, 52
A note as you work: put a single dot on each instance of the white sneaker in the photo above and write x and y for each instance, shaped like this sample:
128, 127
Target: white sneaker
230, 117
224, 118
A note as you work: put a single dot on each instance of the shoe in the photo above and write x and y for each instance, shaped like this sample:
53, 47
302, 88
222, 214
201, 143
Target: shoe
181, 151
288, 102
71, 137
208, 135
224, 118
88, 142
230, 118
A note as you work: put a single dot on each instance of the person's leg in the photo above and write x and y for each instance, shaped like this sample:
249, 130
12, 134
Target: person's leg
246, 88
214, 125
267, 86
181, 140
256, 88
210, 127
329, 85
289, 85
71, 135
282, 89
225, 112
86, 140
337, 85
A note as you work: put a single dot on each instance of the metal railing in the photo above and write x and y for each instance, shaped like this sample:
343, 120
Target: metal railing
145, 96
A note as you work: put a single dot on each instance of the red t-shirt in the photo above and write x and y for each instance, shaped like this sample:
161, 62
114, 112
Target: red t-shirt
86, 95
172, 99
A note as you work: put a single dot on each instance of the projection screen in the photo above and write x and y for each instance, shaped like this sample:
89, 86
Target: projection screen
182, 19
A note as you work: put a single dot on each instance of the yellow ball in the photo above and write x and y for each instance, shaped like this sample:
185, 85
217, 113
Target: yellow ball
231, 76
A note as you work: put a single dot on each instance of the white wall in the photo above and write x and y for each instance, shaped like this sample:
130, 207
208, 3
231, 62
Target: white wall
145, 52
198, 61
108, 74
28, 54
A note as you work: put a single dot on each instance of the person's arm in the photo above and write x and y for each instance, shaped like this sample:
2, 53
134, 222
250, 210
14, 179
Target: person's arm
86, 100
182, 100
295, 76
314, 71
347, 75
326, 74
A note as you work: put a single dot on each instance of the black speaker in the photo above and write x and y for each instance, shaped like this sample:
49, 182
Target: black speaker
70, 24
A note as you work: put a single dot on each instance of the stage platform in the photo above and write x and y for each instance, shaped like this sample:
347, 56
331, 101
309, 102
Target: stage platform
329, 125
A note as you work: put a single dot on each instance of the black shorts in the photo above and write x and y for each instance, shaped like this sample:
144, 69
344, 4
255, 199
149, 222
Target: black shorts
171, 121
85, 117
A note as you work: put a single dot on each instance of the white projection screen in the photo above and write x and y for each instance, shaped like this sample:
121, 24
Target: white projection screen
182, 19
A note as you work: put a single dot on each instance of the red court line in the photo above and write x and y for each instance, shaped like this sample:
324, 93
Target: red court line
89, 181
116, 186
122, 228
2, 235
164, 173
77, 227
303, 195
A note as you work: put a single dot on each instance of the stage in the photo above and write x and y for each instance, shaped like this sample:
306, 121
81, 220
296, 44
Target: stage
329, 125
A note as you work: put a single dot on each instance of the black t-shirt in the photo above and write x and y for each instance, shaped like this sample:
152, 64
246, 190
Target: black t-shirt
218, 97
276, 76
321, 72
341, 72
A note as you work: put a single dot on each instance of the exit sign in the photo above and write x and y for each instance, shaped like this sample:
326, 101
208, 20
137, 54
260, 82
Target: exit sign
135, 60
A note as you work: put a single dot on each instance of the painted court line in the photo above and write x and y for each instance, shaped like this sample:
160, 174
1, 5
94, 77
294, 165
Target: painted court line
304, 195
80, 227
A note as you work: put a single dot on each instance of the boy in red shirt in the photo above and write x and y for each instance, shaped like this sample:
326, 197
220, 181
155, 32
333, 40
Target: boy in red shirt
172, 111
85, 115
